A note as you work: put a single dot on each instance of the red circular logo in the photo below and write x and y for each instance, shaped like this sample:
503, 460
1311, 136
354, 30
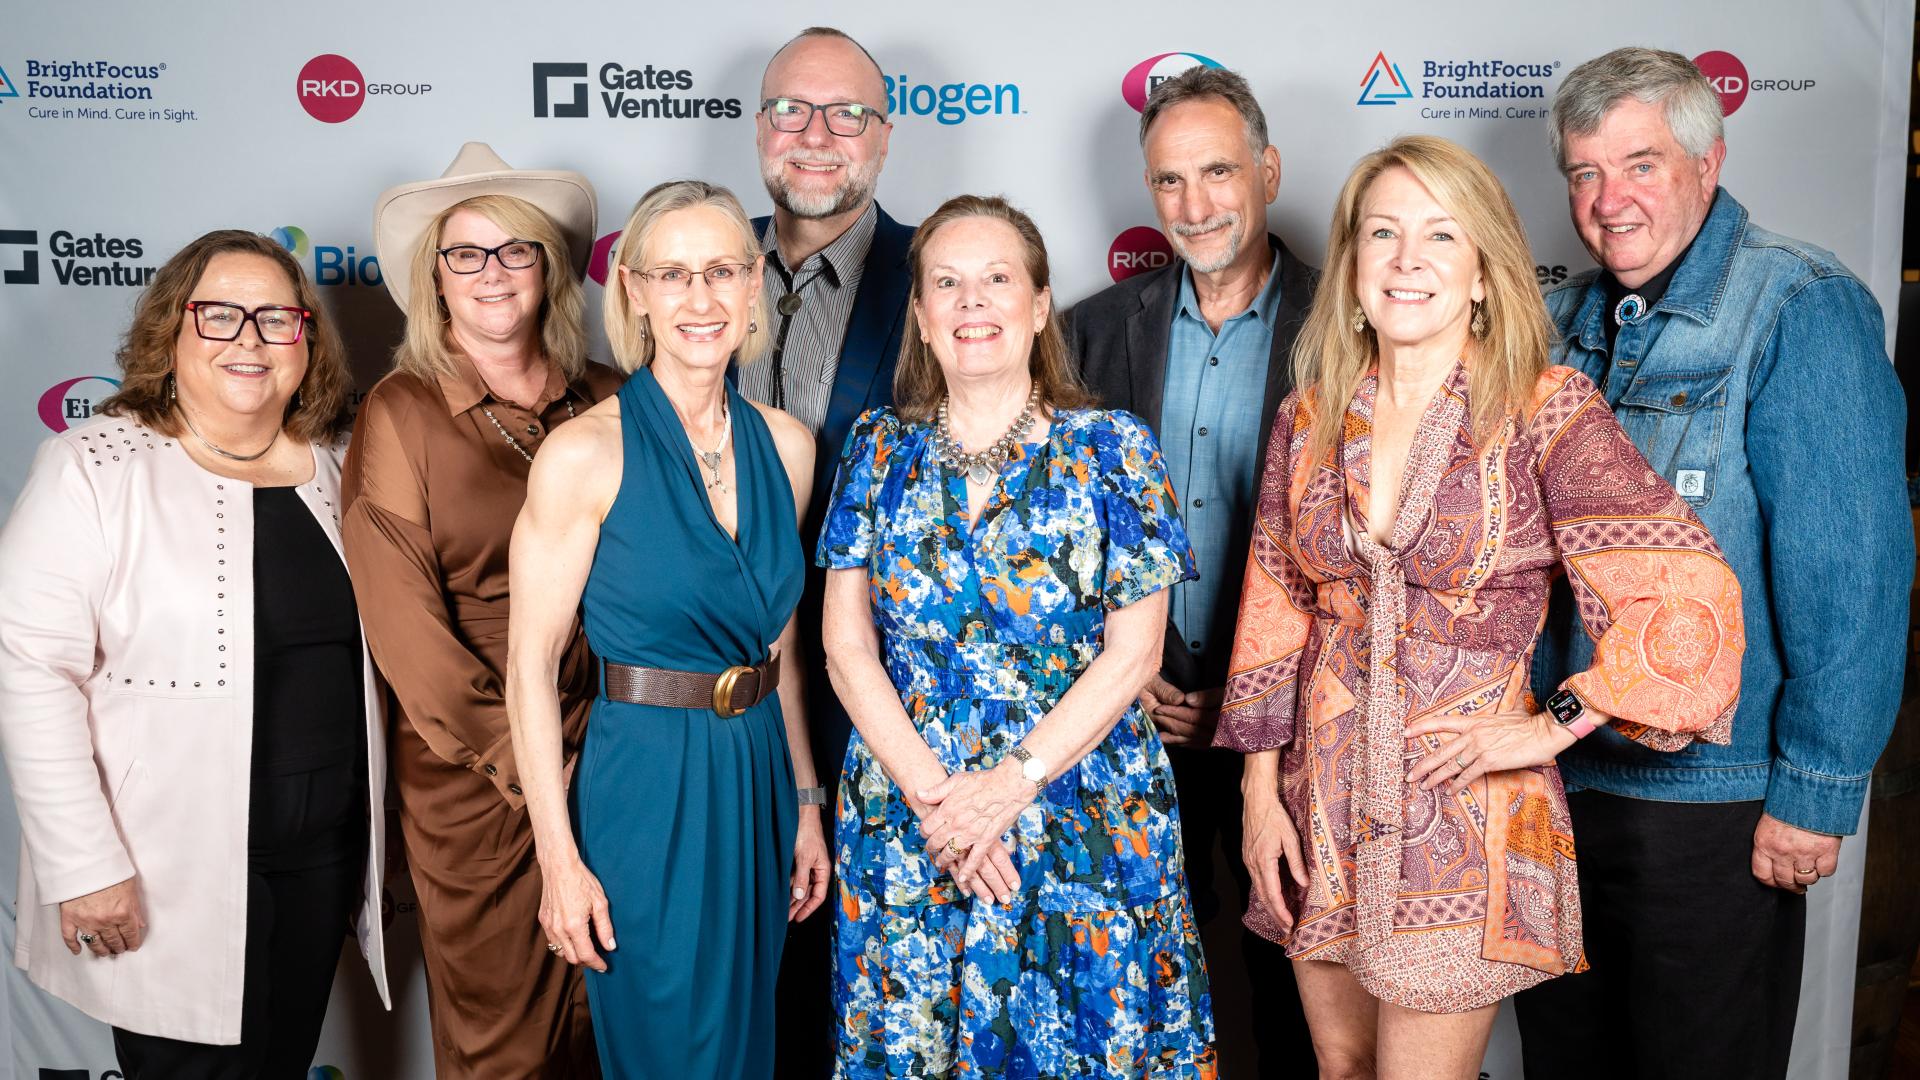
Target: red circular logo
331, 88
1138, 250
1727, 74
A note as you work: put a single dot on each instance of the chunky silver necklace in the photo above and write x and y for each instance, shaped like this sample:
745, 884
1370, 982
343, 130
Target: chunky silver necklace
711, 458
511, 441
228, 454
982, 467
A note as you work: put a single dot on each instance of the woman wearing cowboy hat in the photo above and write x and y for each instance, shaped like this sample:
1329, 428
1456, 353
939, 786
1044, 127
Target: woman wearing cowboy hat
486, 262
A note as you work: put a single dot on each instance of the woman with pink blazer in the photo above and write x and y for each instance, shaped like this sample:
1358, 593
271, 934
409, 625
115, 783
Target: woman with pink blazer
187, 711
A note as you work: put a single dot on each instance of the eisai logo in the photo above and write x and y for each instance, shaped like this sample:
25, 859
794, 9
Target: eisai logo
1142, 77
331, 265
950, 103
66, 403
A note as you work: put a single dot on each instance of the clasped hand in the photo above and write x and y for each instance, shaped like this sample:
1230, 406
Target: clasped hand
965, 820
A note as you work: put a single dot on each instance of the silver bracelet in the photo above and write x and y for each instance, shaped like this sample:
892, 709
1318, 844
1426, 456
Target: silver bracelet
813, 796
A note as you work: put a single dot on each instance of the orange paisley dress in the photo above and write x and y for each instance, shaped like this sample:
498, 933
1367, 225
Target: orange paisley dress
1436, 902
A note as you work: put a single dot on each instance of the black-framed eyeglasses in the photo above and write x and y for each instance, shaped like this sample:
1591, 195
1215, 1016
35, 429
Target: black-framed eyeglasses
844, 118
277, 324
720, 277
472, 258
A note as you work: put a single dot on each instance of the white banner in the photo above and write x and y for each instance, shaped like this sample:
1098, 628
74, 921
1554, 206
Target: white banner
127, 129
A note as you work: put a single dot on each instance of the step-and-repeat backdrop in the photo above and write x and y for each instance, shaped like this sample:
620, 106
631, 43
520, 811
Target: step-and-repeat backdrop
128, 128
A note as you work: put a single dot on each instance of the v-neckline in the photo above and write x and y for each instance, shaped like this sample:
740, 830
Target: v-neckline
697, 471
1436, 418
954, 486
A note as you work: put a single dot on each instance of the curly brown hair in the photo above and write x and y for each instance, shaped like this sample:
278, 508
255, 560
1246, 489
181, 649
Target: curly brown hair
918, 384
319, 411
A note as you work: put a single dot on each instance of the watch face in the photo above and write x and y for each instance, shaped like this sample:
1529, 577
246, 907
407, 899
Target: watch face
1033, 770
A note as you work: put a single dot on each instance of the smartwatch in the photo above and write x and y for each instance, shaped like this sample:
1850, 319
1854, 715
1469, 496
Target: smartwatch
1570, 712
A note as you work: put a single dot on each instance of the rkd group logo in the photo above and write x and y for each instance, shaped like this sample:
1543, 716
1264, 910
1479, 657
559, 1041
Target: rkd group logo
560, 90
1396, 88
331, 265
1138, 250
74, 399
332, 90
78, 259
1729, 76
1142, 77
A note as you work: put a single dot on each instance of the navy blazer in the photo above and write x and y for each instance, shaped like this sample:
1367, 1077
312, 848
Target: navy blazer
863, 380
1119, 338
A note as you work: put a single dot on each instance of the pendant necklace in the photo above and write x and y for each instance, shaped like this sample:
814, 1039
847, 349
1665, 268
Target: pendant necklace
982, 467
711, 458
511, 441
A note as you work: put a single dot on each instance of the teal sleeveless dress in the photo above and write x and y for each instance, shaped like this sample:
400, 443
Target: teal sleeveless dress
686, 818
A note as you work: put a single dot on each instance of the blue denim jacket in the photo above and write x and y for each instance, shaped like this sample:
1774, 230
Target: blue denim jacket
1759, 386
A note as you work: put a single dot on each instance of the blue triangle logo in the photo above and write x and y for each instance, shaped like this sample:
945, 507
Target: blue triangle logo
7, 89
1383, 83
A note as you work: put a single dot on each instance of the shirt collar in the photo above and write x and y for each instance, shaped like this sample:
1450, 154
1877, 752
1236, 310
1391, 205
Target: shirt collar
1266, 306
845, 257
464, 388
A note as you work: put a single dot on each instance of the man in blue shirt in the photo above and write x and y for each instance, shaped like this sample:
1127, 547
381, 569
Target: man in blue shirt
1751, 370
1199, 350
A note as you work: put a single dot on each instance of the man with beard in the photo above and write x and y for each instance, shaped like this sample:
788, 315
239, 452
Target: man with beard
837, 282
1199, 349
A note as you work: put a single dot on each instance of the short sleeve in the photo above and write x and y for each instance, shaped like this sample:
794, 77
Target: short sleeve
846, 532
1146, 544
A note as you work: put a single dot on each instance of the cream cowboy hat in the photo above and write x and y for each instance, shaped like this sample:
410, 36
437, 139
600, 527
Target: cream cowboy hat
402, 214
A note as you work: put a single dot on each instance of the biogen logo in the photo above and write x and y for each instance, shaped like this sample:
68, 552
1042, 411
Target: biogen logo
74, 399
1138, 250
331, 88
1728, 75
1140, 80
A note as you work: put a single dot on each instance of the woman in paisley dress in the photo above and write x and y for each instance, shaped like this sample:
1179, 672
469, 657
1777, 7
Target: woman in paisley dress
1012, 900
1406, 829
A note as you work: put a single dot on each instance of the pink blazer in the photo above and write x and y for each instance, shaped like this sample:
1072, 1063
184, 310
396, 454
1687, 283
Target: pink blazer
126, 719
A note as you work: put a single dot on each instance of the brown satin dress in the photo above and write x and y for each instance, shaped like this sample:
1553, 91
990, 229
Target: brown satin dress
431, 489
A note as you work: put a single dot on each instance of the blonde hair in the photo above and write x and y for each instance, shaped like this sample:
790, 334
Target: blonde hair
1502, 365
632, 345
427, 350
918, 383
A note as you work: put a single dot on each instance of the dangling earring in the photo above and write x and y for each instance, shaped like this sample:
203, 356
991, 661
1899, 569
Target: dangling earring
753, 326
1359, 320
296, 401
1479, 324
173, 397
643, 328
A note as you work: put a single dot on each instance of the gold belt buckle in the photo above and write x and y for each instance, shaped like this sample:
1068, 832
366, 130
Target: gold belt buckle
723, 691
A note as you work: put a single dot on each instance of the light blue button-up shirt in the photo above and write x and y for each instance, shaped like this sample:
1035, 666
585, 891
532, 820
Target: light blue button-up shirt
1210, 417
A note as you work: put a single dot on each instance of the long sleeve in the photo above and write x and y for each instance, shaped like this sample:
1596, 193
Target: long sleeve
54, 568
1276, 605
1839, 547
451, 697
1651, 586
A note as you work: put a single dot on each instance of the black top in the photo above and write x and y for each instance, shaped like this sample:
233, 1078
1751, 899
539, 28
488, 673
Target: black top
308, 709
1649, 291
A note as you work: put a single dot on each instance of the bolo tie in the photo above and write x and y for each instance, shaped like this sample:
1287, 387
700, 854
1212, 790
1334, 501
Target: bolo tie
1630, 307
788, 306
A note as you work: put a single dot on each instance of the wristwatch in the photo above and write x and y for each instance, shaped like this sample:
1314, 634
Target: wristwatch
813, 796
1571, 713
1030, 769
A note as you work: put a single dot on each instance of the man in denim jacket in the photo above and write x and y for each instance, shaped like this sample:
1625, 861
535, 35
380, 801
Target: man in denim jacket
1751, 370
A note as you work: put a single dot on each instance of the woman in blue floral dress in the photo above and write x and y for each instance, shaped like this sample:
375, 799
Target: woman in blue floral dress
1012, 898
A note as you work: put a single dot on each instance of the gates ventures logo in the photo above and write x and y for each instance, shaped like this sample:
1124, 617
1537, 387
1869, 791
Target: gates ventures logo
1729, 76
331, 265
332, 90
78, 259
1142, 77
623, 92
1138, 250
72, 400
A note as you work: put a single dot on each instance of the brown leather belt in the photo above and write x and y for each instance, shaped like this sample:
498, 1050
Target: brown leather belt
729, 693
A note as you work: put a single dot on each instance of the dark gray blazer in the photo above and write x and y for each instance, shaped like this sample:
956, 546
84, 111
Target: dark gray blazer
1119, 340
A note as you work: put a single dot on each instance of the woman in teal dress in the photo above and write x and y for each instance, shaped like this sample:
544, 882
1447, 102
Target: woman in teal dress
667, 514
1012, 897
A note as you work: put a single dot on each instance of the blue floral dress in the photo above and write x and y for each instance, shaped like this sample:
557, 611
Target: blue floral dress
1095, 968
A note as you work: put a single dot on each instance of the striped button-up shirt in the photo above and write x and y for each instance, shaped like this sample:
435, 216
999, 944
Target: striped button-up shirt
827, 282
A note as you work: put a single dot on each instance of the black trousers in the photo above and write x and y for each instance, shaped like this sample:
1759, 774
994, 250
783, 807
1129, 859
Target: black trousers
305, 866
1695, 964
1208, 784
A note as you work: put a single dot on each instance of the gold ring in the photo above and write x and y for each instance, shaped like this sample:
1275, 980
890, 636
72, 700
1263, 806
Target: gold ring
953, 845
1461, 764
551, 947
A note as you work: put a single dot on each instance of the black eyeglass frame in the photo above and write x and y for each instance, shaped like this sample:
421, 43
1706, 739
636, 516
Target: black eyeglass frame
246, 317
867, 114
539, 252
